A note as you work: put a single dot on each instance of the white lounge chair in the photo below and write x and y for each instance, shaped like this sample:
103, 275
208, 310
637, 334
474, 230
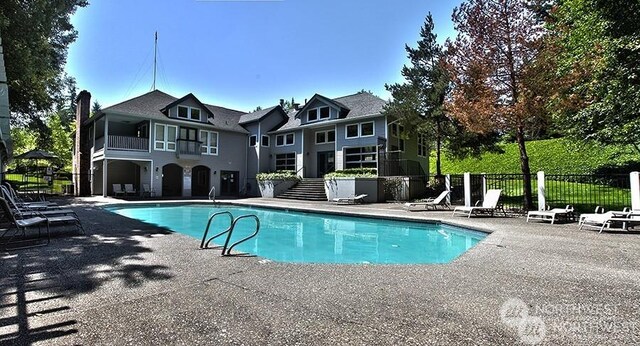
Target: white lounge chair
598, 211
489, 205
552, 215
129, 189
431, 202
611, 219
117, 190
350, 200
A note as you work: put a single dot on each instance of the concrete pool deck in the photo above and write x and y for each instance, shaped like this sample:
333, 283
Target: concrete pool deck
127, 282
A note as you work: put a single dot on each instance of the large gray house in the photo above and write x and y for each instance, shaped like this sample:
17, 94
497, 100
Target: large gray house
184, 147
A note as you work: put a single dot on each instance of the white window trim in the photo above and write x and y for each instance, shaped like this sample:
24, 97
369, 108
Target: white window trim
319, 117
189, 116
268, 141
256, 137
326, 136
373, 128
346, 132
208, 143
344, 153
284, 139
425, 145
165, 142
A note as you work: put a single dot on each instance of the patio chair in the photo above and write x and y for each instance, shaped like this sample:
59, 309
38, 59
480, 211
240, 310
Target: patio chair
129, 189
566, 213
25, 212
598, 211
489, 205
118, 191
20, 226
431, 202
9, 192
350, 200
610, 220
147, 191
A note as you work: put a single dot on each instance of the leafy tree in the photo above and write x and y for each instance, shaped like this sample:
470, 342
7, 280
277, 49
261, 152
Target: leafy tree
35, 36
495, 73
95, 108
257, 109
597, 54
61, 140
418, 103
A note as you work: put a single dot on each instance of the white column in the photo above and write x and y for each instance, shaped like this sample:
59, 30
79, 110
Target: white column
542, 200
106, 133
635, 190
447, 186
484, 185
104, 177
467, 189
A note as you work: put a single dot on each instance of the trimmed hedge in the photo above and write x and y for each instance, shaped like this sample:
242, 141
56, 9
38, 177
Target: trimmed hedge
278, 175
553, 156
353, 172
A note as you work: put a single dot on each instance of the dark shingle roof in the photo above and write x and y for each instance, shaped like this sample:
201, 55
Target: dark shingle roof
362, 104
358, 105
149, 105
257, 115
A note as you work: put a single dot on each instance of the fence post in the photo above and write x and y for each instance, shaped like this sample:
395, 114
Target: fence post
447, 186
467, 189
484, 185
635, 190
542, 201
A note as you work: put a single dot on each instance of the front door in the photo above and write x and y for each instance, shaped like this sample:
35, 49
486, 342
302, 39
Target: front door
326, 162
229, 184
200, 181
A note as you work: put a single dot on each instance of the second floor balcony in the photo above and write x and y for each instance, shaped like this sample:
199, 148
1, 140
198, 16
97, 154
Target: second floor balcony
189, 147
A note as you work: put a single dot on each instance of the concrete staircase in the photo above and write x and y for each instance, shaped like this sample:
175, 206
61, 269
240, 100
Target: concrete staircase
309, 189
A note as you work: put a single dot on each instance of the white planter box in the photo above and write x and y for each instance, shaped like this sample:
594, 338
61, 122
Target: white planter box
273, 188
346, 187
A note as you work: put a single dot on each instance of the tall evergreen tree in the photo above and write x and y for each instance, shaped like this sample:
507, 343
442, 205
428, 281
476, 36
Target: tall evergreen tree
418, 103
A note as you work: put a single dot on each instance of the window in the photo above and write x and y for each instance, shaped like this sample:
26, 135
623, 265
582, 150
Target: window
352, 131
265, 141
286, 162
362, 157
324, 113
209, 141
165, 138
366, 129
192, 113
253, 140
397, 130
286, 139
422, 145
328, 136
312, 115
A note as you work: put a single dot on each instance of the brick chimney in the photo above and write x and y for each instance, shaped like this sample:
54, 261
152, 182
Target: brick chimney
82, 157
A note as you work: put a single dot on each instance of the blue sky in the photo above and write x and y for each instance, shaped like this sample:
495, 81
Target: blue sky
243, 54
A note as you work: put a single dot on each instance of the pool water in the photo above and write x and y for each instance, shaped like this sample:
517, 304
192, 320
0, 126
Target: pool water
292, 236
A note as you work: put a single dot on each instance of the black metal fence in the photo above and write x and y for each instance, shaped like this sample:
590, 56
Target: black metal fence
40, 182
583, 192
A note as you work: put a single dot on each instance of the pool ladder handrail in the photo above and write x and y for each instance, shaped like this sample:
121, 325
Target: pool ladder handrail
226, 249
212, 194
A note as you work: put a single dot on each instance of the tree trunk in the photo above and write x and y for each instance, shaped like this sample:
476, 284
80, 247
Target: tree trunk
526, 171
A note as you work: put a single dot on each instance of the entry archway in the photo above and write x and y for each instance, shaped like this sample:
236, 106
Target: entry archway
172, 180
200, 181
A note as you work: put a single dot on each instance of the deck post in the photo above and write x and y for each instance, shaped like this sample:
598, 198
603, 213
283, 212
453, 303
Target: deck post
447, 186
467, 189
635, 190
542, 201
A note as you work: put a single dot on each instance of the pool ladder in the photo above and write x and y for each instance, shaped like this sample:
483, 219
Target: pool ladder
226, 248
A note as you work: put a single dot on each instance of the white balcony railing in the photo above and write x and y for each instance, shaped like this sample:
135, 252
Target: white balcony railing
128, 143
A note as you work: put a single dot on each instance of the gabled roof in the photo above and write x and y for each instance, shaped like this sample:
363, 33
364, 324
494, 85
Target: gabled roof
343, 109
182, 99
261, 114
359, 105
151, 104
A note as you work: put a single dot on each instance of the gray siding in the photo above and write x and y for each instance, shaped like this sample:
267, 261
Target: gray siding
343, 142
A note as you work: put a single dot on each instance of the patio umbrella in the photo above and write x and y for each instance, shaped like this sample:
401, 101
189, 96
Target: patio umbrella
36, 154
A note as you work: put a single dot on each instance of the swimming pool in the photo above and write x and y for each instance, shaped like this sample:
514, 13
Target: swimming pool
301, 237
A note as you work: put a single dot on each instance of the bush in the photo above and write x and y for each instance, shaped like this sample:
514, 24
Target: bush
353, 173
553, 156
278, 175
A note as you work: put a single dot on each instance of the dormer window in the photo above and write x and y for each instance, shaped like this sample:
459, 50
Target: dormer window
320, 113
191, 113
